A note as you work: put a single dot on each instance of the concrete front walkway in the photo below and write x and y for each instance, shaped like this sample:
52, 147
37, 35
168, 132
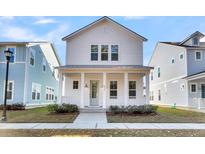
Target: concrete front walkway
91, 118
101, 126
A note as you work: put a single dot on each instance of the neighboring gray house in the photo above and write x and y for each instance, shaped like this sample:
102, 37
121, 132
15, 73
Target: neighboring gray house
179, 73
32, 78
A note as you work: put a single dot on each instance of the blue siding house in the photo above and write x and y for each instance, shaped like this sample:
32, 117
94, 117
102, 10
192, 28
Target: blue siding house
33, 80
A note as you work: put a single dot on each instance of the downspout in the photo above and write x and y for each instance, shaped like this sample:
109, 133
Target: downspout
26, 76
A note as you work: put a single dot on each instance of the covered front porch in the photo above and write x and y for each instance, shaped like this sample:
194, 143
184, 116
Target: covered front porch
196, 91
102, 87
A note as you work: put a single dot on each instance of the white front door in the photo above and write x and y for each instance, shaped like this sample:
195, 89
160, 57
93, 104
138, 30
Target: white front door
94, 92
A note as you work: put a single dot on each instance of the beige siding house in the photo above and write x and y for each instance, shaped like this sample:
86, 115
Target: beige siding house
104, 66
178, 75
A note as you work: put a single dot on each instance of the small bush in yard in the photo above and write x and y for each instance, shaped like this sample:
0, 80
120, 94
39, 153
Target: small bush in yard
16, 106
62, 108
134, 109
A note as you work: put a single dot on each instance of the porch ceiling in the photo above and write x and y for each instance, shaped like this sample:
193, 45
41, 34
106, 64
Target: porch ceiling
101, 68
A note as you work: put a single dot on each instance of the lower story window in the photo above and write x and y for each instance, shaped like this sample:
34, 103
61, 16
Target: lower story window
132, 89
36, 91
49, 94
75, 84
10, 88
151, 95
113, 89
159, 95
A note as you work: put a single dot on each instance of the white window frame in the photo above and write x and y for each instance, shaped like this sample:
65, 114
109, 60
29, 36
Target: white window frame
114, 52
94, 52
113, 97
34, 55
50, 91
158, 72
151, 75
44, 64
159, 95
12, 96
36, 84
104, 52
132, 97
190, 87
7, 47
73, 85
197, 41
196, 57
182, 53
151, 95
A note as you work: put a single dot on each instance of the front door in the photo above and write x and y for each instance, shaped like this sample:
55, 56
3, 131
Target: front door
94, 88
203, 91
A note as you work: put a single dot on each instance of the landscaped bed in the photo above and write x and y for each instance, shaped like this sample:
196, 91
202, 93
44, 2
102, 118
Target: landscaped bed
38, 115
163, 115
100, 133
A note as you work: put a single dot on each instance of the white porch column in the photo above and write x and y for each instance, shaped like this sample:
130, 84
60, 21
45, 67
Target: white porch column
104, 89
60, 87
125, 89
82, 83
147, 88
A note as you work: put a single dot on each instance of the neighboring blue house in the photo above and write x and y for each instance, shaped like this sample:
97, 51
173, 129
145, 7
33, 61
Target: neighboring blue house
32, 77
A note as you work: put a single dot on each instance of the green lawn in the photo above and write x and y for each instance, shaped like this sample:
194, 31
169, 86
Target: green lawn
101, 133
38, 115
165, 115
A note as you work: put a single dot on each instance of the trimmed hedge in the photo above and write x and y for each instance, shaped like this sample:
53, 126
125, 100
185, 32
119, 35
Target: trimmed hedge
134, 109
62, 108
16, 106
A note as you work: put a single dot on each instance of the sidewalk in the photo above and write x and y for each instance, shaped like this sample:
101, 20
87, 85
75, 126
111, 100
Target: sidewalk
101, 126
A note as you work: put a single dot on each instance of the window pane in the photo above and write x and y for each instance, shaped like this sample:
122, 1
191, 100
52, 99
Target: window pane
33, 95
104, 56
104, 48
113, 93
94, 48
132, 84
114, 57
113, 84
9, 95
193, 88
132, 92
94, 56
13, 54
198, 55
114, 48
38, 96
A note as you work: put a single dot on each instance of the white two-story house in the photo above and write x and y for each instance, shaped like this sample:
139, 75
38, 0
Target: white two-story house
104, 66
178, 77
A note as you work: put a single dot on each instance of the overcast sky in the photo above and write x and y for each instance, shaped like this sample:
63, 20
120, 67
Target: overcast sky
54, 28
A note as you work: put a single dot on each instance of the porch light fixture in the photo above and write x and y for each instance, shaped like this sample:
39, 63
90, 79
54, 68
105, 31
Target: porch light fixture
8, 55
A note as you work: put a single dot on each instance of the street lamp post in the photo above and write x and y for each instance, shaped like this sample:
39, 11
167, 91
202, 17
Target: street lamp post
8, 55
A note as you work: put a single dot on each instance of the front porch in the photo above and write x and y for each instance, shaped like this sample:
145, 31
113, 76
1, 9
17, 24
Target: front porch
100, 88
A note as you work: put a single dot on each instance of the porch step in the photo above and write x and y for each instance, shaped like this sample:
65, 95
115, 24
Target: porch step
92, 110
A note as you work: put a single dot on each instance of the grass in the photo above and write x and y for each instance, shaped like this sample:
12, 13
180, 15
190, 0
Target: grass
164, 115
38, 115
101, 133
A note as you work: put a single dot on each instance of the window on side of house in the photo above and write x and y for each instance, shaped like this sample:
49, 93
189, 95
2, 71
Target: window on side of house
75, 84
193, 87
113, 89
10, 90
13, 50
173, 61
151, 95
44, 65
114, 52
198, 55
132, 89
36, 91
151, 76
158, 72
49, 94
104, 52
32, 57
159, 95
94, 52
181, 56
182, 86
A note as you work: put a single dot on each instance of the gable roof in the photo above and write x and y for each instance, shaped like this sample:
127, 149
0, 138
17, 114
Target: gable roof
99, 20
191, 36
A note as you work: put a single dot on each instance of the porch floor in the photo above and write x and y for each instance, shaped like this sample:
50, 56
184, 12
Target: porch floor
91, 118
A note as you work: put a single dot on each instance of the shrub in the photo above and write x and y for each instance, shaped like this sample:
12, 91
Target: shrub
134, 109
16, 106
63, 108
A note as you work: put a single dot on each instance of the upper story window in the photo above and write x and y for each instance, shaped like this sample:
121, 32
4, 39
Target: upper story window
193, 88
36, 91
32, 57
159, 95
158, 72
173, 60
151, 74
195, 41
94, 52
44, 64
181, 56
104, 52
114, 52
198, 55
13, 50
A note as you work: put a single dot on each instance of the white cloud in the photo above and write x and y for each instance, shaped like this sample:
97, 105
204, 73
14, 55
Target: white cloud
42, 21
6, 17
134, 17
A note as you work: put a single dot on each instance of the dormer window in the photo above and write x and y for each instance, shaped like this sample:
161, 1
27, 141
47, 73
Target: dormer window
195, 41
